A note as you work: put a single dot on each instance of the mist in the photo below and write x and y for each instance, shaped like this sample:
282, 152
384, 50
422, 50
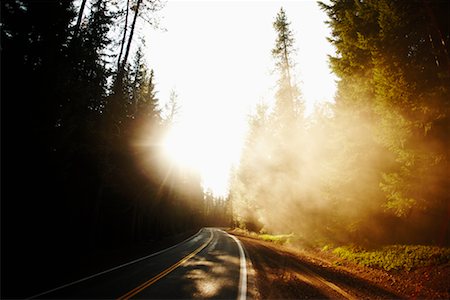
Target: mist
370, 169
327, 183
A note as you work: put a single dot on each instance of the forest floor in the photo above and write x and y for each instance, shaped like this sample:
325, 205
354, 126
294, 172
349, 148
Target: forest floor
292, 273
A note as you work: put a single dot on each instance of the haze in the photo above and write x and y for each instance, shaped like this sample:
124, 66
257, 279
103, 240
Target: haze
216, 55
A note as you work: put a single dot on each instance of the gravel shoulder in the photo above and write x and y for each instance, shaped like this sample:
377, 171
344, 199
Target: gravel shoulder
283, 272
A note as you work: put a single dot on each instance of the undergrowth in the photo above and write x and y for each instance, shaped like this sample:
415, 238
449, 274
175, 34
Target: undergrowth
396, 257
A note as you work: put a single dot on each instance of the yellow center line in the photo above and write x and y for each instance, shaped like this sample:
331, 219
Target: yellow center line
151, 281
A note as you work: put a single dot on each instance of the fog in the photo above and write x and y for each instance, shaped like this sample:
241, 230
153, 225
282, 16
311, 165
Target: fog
331, 178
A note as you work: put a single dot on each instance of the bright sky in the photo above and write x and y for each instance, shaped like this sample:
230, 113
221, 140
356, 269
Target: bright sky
217, 56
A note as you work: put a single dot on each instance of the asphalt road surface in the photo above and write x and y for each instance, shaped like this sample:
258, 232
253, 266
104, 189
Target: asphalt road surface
211, 264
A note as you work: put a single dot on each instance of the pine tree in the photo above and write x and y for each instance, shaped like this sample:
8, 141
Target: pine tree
271, 163
139, 7
287, 93
394, 76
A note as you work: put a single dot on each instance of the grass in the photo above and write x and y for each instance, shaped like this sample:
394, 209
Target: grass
280, 239
396, 257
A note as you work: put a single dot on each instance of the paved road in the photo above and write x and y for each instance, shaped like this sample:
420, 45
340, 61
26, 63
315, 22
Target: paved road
209, 265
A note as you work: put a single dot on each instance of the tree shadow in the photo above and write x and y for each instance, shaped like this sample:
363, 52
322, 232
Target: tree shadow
281, 274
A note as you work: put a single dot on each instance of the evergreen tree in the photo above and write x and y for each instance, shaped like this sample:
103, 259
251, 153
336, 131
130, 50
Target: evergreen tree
287, 96
394, 76
271, 162
139, 7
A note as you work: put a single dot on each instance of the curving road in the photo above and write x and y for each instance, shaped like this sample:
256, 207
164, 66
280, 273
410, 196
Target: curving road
211, 264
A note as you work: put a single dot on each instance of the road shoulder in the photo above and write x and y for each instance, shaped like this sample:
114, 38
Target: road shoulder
280, 273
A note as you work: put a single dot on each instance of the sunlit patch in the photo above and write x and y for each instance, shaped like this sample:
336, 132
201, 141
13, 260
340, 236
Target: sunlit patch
229, 260
208, 288
211, 277
202, 263
200, 146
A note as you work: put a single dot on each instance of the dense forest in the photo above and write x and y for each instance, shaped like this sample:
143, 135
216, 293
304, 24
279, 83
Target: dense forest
82, 130
82, 168
372, 168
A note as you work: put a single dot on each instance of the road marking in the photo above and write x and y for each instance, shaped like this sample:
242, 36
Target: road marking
151, 281
113, 269
242, 292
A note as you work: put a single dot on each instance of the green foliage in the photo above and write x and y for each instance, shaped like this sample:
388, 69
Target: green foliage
395, 73
280, 239
397, 257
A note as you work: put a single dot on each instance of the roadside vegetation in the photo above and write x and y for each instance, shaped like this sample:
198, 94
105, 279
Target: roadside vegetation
395, 257
280, 239
388, 258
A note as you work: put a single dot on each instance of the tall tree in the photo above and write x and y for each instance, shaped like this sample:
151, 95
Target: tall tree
287, 93
79, 18
392, 71
271, 160
139, 7
124, 35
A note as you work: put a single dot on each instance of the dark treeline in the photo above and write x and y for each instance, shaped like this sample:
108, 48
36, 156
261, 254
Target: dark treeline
82, 169
373, 168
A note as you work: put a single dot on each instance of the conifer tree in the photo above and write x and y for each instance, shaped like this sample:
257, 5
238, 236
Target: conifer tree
287, 93
271, 160
395, 77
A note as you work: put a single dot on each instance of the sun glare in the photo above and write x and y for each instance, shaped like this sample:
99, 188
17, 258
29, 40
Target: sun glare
181, 150
220, 82
207, 150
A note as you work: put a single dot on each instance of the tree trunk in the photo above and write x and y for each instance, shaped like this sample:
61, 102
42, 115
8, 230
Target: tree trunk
120, 72
122, 44
80, 17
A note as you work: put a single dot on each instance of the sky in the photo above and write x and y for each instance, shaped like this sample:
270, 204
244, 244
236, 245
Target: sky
216, 55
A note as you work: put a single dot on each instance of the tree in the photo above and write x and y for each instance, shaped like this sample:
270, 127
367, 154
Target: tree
266, 181
172, 107
124, 36
287, 93
82, 158
393, 75
79, 18
139, 7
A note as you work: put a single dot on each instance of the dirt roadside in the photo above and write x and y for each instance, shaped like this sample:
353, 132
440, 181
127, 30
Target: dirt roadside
286, 273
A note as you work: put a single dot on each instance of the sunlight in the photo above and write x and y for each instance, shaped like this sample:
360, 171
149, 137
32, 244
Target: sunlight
180, 149
210, 135
208, 149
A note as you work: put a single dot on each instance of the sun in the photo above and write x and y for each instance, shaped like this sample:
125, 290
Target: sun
203, 147
180, 148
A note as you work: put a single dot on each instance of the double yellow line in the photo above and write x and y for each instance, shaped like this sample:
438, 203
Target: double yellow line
151, 281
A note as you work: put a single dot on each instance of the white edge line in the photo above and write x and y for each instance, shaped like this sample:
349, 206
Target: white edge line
114, 268
242, 293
